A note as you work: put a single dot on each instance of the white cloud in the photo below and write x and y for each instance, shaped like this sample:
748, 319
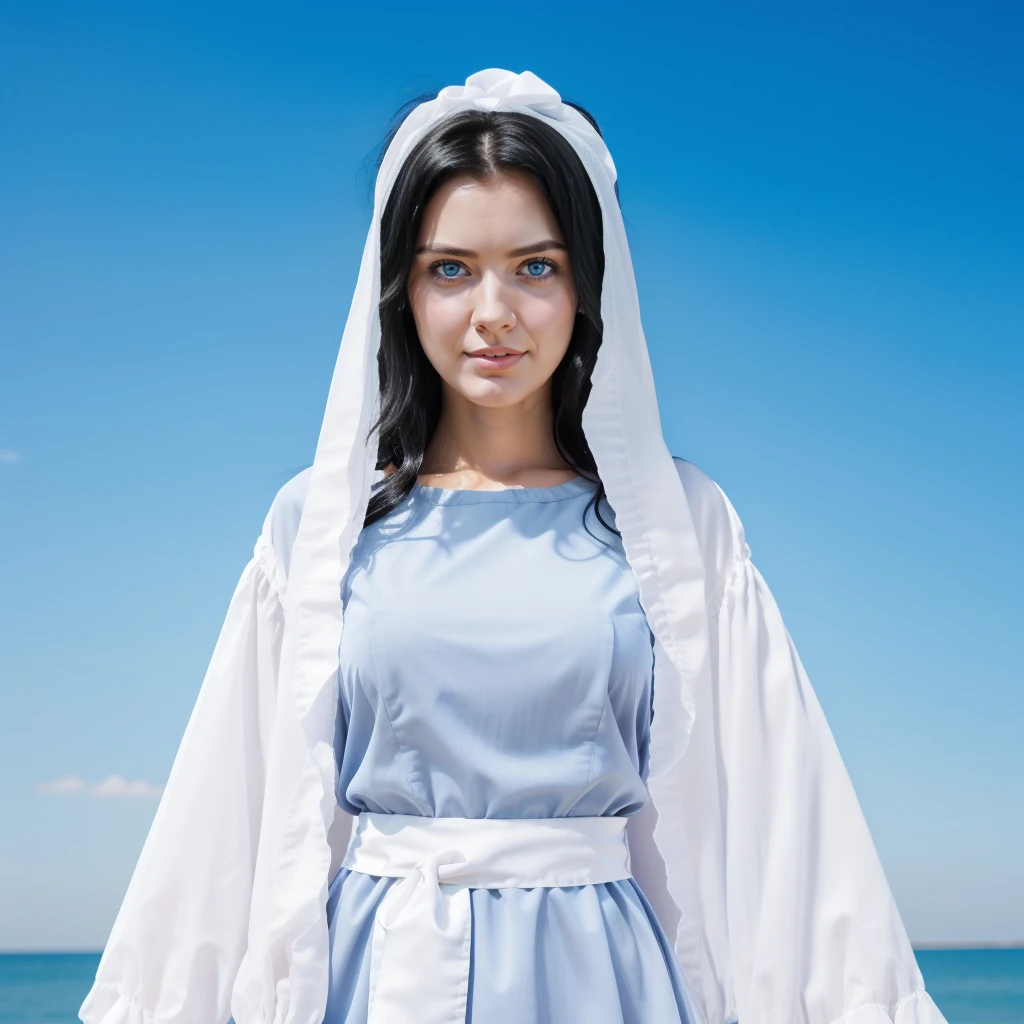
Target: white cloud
65, 784
9, 455
114, 785
111, 786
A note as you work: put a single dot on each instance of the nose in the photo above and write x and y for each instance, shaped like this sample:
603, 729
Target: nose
492, 313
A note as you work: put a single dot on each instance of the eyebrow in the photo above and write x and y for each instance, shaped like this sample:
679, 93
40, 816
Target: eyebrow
523, 250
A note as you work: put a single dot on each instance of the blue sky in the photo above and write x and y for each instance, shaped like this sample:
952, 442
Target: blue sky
825, 213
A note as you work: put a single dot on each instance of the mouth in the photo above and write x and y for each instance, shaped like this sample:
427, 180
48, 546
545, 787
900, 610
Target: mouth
496, 357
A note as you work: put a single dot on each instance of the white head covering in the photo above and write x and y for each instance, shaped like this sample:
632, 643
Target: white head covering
752, 850
623, 429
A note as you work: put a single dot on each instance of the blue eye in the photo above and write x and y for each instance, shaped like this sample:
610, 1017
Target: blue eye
535, 268
446, 270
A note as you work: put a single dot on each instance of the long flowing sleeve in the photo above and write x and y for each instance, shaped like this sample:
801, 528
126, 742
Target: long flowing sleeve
180, 935
814, 933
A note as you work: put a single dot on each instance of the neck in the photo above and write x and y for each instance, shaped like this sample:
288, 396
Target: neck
496, 443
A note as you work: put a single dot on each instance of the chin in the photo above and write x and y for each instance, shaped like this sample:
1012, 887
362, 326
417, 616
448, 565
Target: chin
497, 398
496, 392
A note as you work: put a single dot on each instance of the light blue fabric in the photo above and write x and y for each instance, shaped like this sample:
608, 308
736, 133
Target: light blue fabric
496, 662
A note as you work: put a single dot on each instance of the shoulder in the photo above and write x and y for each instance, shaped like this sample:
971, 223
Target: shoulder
719, 529
282, 523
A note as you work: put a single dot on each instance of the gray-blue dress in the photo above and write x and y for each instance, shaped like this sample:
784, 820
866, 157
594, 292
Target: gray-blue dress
496, 662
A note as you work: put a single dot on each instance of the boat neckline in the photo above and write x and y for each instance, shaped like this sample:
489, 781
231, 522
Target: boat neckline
463, 496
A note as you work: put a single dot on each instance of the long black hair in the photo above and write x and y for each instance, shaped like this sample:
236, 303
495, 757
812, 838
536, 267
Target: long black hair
482, 144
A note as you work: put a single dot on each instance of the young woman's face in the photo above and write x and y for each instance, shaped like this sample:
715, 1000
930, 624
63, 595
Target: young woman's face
491, 273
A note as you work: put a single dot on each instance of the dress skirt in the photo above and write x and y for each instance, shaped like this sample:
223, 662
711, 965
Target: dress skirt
586, 953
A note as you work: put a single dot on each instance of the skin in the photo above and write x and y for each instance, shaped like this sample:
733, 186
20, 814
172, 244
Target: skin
512, 286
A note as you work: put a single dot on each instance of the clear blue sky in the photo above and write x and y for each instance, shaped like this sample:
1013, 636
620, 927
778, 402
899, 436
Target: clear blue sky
826, 219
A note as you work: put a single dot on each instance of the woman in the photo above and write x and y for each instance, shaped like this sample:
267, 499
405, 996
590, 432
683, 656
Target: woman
562, 762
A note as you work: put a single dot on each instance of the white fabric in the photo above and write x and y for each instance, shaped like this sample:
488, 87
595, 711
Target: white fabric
420, 950
752, 849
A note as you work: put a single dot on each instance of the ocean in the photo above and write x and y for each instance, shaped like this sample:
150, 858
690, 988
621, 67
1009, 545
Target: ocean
970, 986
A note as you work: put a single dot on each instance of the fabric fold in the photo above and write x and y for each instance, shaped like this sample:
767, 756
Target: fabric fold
811, 919
180, 933
111, 1006
916, 1008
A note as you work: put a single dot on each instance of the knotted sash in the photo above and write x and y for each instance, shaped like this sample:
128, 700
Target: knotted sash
420, 953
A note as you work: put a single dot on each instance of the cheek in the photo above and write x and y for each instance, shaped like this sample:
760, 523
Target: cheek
550, 319
440, 319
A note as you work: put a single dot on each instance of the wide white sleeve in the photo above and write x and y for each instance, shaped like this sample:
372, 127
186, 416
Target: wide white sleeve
814, 933
179, 937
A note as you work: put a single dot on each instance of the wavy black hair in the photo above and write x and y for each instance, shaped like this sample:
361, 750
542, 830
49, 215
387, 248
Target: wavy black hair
481, 144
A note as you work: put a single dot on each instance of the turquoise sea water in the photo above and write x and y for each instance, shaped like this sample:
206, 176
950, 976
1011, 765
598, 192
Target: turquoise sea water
975, 986
971, 986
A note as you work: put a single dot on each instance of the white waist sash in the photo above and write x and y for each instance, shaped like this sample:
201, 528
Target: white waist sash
419, 961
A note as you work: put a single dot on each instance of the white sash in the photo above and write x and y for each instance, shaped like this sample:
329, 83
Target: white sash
419, 961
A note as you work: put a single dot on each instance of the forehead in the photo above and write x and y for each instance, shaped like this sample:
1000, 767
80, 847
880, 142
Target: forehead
492, 211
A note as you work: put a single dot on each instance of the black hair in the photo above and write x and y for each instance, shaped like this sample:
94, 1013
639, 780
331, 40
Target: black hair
482, 144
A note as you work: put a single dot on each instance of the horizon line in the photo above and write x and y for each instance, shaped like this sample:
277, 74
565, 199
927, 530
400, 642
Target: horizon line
918, 946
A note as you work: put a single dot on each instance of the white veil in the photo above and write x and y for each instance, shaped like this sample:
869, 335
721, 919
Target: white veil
623, 430
742, 808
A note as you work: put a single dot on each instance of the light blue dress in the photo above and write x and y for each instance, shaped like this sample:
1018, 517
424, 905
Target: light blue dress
496, 662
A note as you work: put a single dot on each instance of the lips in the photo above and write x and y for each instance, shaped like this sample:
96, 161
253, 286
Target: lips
496, 357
